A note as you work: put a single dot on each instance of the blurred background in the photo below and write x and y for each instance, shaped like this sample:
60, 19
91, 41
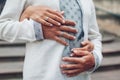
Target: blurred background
108, 17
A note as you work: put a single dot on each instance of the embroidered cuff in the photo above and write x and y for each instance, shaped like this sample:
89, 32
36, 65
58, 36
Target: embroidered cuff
38, 30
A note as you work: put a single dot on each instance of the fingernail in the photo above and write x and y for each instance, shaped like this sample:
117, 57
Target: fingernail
59, 24
71, 55
75, 51
62, 11
72, 49
63, 21
82, 42
63, 58
74, 37
51, 24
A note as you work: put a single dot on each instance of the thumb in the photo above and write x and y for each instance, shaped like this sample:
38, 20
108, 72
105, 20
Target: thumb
84, 43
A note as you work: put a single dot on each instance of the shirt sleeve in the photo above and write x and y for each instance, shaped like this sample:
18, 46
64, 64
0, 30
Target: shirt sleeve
11, 29
38, 30
96, 38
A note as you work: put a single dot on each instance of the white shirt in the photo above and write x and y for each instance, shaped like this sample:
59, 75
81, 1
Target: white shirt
43, 58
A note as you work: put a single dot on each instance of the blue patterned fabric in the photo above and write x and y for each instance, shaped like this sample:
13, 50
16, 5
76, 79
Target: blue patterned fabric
72, 11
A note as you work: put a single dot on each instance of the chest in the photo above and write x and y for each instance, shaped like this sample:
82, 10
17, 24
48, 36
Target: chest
54, 4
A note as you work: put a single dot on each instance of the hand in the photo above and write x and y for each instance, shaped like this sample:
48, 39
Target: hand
43, 15
76, 65
86, 45
54, 33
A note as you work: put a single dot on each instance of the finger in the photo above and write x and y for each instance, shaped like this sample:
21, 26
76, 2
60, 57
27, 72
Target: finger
23, 17
66, 35
73, 60
62, 13
69, 66
79, 52
40, 20
55, 17
72, 71
69, 23
58, 13
84, 43
75, 74
50, 20
88, 45
61, 41
68, 29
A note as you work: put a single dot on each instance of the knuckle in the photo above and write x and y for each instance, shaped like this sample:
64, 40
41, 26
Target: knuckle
83, 61
47, 9
42, 15
55, 17
43, 22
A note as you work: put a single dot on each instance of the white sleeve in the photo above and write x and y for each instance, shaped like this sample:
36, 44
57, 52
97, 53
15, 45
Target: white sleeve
95, 38
10, 28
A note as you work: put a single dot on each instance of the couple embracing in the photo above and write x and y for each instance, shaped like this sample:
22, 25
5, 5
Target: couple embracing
62, 37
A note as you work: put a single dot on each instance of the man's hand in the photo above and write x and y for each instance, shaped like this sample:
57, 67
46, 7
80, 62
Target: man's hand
76, 65
43, 15
86, 45
56, 33
39, 13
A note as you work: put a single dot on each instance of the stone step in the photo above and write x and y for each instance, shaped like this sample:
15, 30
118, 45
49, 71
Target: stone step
12, 53
107, 75
109, 25
13, 79
11, 69
110, 63
110, 49
107, 37
8, 44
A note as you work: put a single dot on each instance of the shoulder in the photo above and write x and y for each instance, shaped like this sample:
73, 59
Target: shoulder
11, 8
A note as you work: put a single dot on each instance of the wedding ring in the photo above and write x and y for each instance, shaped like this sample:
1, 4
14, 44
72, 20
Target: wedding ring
46, 18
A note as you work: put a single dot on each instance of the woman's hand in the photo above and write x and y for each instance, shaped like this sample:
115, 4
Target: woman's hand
56, 33
81, 60
43, 15
76, 65
86, 45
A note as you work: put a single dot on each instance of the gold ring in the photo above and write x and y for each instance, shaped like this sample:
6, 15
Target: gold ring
46, 18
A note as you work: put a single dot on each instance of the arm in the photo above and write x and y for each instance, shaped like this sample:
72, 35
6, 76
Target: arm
54, 32
90, 60
95, 38
16, 31
10, 27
